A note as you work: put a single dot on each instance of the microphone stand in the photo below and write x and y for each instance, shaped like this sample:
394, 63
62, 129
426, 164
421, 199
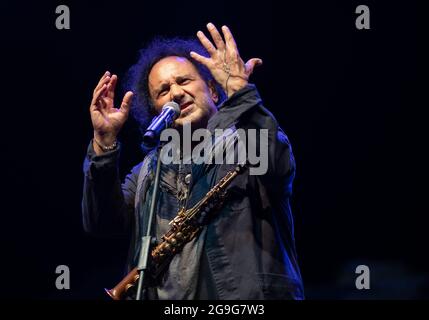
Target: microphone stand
148, 239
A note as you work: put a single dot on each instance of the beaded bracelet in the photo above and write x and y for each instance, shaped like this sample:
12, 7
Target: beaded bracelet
106, 148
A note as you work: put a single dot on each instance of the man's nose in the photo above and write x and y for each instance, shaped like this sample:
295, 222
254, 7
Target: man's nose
177, 93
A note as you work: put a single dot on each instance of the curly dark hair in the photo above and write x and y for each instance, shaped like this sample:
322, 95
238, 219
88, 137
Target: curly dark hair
137, 76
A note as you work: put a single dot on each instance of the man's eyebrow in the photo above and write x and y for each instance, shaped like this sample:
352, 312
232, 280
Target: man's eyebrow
166, 84
161, 87
181, 77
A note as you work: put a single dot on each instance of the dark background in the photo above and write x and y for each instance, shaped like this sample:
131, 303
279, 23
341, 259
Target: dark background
349, 100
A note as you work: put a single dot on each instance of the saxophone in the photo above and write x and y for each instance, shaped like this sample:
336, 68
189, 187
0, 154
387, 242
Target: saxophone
184, 227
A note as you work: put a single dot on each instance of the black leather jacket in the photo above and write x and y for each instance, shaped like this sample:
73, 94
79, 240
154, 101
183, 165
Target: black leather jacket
249, 246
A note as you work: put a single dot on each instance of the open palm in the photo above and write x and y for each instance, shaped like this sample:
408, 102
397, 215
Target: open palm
225, 63
106, 119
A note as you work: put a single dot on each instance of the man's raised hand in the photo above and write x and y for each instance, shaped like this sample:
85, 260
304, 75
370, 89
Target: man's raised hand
225, 63
107, 120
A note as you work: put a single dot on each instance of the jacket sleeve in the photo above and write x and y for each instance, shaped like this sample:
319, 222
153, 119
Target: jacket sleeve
245, 110
107, 205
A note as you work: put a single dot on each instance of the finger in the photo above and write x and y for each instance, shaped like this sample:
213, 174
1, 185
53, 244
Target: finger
96, 98
106, 92
229, 39
199, 58
97, 94
111, 87
252, 63
206, 43
107, 73
217, 38
103, 80
126, 102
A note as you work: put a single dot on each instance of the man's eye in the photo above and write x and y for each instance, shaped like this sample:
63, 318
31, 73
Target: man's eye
163, 92
185, 81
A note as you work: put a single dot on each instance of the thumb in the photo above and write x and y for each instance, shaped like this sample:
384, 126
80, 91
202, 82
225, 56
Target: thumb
251, 64
126, 103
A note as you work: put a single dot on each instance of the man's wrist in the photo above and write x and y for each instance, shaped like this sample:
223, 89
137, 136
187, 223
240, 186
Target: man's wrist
104, 147
234, 86
104, 143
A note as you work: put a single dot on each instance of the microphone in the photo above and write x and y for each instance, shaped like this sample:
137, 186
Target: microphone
170, 112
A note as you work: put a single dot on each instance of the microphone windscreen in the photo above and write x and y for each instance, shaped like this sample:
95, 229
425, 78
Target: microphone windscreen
172, 105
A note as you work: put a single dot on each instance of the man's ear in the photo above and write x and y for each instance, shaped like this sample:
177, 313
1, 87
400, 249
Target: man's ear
213, 91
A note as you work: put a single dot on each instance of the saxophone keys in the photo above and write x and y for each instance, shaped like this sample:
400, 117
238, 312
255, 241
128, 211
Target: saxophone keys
167, 247
173, 241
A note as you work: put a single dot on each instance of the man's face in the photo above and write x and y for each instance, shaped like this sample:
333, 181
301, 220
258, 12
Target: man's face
176, 79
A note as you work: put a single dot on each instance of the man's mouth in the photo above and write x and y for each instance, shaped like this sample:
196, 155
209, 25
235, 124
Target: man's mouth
185, 105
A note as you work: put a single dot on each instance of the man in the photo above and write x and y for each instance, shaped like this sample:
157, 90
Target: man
246, 250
